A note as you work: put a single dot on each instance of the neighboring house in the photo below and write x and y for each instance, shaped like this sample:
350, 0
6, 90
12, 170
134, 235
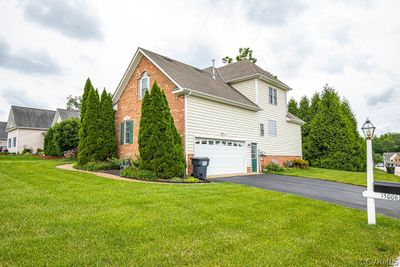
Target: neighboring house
236, 115
26, 128
65, 114
391, 159
3, 135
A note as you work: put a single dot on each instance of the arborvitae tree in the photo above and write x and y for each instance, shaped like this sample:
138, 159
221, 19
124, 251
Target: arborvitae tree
67, 136
331, 142
293, 107
158, 137
83, 156
145, 142
91, 122
107, 136
178, 167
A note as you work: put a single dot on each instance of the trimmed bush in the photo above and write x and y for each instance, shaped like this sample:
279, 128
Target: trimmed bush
134, 173
95, 166
272, 167
300, 163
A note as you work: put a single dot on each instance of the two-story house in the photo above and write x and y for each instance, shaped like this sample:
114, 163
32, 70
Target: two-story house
391, 159
236, 115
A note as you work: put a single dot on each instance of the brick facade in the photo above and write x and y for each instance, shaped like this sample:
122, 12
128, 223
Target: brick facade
277, 159
129, 105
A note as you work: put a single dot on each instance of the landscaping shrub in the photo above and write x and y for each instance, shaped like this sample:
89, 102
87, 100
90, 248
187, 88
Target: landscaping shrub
26, 151
134, 173
272, 167
300, 163
189, 179
95, 166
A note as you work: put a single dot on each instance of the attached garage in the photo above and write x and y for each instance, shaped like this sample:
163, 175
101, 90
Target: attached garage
226, 156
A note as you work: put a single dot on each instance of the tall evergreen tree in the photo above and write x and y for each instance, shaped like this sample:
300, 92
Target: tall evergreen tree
331, 142
83, 156
293, 107
314, 103
304, 109
91, 122
178, 167
107, 136
158, 137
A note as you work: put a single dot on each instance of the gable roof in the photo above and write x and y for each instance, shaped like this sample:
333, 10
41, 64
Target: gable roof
292, 118
66, 114
391, 154
3, 126
191, 79
243, 70
23, 117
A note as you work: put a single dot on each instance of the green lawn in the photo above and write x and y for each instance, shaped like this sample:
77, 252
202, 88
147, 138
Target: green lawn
57, 217
356, 178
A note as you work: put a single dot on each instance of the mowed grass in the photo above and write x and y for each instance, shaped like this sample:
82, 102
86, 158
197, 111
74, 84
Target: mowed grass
56, 217
356, 178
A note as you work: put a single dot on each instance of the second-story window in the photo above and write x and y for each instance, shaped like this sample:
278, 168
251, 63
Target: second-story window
144, 85
273, 96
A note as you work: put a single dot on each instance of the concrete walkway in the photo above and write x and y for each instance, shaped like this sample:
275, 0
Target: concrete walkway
338, 193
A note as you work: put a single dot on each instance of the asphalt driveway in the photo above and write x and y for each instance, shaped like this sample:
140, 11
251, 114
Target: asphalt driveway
338, 193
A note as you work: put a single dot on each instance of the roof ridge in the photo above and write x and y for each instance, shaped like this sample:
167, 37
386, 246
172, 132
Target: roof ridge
42, 109
64, 109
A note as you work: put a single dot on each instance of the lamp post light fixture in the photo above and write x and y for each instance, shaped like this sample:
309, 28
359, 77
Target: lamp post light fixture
368, 128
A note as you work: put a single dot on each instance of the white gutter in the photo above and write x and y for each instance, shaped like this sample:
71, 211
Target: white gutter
215, 98
260, 76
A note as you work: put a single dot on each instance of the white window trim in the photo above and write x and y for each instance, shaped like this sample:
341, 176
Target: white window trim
273, 98
145, 75
269, 128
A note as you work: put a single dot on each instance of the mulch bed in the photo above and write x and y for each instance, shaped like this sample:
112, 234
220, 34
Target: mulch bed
118, 173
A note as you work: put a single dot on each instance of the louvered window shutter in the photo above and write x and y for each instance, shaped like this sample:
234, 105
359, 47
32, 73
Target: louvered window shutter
122, 134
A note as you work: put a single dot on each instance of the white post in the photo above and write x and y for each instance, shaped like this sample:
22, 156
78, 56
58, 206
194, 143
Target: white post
370, 184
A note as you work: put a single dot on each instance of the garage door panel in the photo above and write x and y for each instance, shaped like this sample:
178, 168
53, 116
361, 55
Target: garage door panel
225, 156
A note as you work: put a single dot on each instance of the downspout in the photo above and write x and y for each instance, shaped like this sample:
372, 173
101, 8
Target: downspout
185, 127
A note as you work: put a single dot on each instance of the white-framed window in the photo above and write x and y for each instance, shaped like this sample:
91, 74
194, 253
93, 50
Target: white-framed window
261, 129
144, 85
272, 130
126, 132
9, 142
14, 141
273, 96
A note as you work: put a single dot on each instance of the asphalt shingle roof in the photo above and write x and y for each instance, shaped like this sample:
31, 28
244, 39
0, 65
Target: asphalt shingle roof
68, 114
3, 134
32, 117
198, 80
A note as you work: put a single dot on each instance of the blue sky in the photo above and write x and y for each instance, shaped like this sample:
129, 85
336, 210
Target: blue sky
48, 48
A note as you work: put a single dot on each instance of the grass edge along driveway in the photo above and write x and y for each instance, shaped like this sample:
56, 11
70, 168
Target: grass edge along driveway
355, 178
59, 217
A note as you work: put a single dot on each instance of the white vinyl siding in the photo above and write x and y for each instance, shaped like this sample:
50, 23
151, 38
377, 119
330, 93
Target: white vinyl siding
248, 89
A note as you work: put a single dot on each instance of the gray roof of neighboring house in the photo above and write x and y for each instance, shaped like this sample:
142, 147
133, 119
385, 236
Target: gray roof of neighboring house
390, 154
31, 117
3, 126
68, 114
198, 80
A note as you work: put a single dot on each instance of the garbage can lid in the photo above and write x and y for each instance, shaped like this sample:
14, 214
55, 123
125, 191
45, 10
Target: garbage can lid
200, 158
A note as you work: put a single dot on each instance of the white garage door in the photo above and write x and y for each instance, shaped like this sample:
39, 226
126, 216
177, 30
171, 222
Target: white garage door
225, 156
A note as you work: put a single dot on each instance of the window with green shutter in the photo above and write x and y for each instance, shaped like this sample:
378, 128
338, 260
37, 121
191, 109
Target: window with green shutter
122, 133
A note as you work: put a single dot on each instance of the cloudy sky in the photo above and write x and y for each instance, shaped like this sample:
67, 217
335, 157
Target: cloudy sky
48, 48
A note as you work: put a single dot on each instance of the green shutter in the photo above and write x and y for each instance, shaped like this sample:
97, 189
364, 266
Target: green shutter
122, 134
130, 132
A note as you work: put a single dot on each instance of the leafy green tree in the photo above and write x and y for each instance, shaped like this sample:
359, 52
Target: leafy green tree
74, 102
293, 107
107, 135
244, 54
388, 142
66, 134
51, 147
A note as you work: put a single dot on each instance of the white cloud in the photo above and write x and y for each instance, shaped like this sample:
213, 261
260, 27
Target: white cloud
351, 45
